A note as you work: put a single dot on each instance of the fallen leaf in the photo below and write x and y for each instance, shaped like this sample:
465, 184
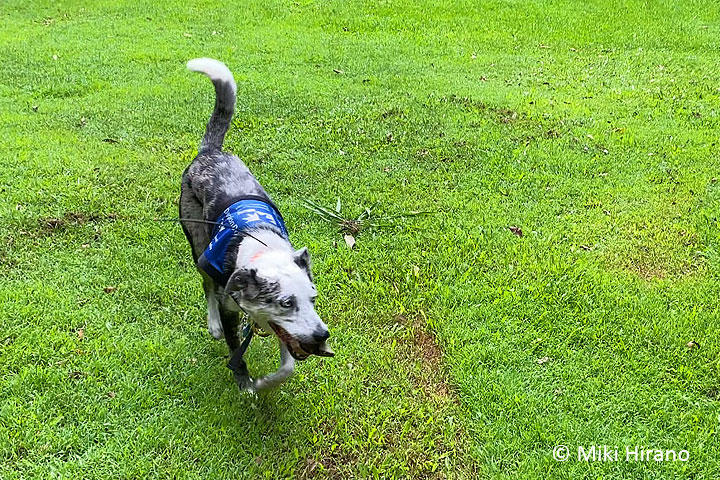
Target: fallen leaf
339, 72
587, 247
692, 344
110, 140
349, 240
543, 360
517, 231
81, 334
188, 35
416, 270
111, 394
109, 289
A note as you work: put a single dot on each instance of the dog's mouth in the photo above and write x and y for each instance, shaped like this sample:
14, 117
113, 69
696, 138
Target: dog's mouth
301, 351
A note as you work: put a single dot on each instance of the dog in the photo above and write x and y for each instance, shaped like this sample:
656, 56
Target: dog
241, 248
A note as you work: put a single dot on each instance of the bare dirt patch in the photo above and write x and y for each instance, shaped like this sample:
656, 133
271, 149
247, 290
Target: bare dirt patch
49, 225
419, 356
503, 115
655, 253
421, 348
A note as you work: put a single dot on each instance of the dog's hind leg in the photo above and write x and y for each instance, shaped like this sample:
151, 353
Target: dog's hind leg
215, 324
287, 367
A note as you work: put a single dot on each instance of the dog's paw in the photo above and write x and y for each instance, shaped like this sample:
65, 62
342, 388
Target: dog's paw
245, 383
215, 329
265, 383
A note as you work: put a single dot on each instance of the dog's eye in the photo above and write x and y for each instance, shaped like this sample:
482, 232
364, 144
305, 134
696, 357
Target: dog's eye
312, 299
286, 303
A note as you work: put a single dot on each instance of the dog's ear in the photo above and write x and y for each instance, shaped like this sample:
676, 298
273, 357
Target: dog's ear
251, 286
245, 281
302, 259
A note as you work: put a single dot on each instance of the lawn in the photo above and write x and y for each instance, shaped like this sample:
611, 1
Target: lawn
465, 348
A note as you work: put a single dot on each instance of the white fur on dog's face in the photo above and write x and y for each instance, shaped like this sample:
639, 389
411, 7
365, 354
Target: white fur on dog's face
278, 294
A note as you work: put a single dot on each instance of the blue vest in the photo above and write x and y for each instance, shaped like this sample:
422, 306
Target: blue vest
239, 217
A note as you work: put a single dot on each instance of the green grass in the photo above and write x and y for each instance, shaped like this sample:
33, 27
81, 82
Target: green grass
463, 350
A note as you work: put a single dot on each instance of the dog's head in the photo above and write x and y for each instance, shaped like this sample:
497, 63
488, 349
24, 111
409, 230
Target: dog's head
276, 290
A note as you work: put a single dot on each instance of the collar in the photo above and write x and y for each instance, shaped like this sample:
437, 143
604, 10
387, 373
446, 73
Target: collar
243, 215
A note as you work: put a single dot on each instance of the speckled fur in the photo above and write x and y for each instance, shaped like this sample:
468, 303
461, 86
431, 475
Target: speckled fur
211, 183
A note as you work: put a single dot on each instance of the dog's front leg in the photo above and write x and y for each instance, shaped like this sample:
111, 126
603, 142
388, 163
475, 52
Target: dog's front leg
287, 367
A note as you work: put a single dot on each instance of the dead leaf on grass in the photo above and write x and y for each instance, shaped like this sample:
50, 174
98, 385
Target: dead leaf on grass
517, 231
349, 240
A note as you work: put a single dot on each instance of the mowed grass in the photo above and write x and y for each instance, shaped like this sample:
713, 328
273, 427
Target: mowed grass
463, 349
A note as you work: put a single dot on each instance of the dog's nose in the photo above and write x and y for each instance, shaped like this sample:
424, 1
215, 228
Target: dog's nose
320, 335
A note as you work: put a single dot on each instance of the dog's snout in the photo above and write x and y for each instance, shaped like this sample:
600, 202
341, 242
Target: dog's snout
321, 334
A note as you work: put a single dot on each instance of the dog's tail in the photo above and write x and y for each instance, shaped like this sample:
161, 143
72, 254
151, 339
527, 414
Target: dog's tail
225, 90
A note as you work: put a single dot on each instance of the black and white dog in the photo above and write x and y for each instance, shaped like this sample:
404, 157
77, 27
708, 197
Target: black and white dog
241, 248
